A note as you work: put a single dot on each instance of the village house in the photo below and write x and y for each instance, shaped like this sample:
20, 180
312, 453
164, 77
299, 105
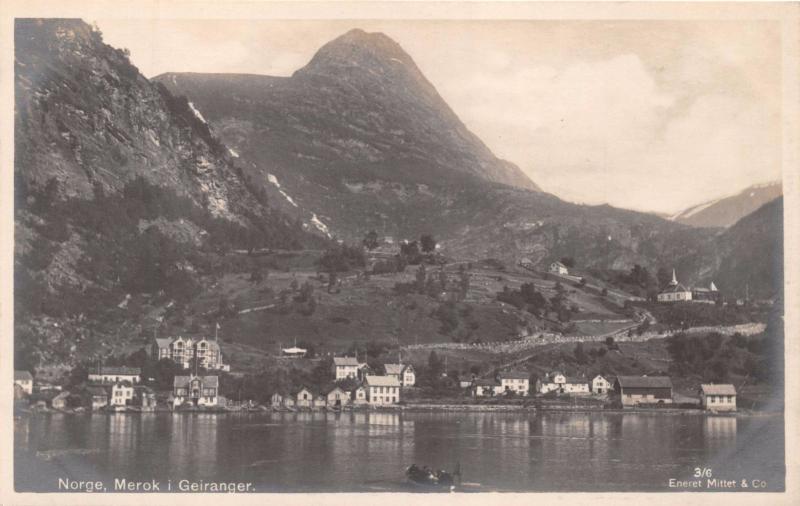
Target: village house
525, 262
144, 397
121, 393
60, 401
359, 395
558, 268
108, 375
196, 390
96, 397
601, 385
674, 292
24, 380
337, 398
346, 367
513, 381
576, 385
276, 400
552, 382
486, 388
294, 352
720, 397
182, 350
708, 295
466, 381
562, 384
403, 372
320, 401
303, 398
636, 390
382, 390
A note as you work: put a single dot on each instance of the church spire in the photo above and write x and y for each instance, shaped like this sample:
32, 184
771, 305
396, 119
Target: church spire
674, 279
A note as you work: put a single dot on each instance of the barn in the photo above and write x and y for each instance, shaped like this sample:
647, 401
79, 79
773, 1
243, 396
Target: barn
637, 390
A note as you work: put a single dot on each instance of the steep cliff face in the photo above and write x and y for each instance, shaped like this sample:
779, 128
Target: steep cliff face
86, 117
120, 190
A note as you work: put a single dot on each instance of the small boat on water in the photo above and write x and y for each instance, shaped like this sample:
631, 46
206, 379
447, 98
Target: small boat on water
434, 480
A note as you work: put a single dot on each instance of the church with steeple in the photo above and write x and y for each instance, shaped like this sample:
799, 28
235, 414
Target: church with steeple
677, 292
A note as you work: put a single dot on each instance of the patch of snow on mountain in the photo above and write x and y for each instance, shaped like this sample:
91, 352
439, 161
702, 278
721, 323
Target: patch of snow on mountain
287, 197
196, 112
233, 153
695, 210
274, 180
320, 226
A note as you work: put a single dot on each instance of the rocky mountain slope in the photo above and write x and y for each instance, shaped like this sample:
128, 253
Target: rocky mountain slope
745, 259
727, 211
120, 187
358, 136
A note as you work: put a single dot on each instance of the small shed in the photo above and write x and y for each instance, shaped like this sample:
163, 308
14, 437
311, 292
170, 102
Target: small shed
718, 397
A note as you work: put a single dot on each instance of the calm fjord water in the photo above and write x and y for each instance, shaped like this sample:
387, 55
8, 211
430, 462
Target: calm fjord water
368, 451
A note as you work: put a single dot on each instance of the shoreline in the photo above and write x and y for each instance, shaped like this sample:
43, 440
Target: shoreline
425, 407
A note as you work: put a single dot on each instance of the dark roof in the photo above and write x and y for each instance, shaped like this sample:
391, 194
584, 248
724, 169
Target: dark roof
723, 389
644, 382
513, 375
574, 380
208, 381
485, 383
119, 371
345, 361
22, 375
97, 391
675, 288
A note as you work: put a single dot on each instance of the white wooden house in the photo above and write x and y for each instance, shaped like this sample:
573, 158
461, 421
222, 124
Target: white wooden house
513, 381
601, 385
382, 390
718, 397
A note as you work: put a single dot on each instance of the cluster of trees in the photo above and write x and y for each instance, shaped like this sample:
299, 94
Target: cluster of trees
527, 297
435, 283
683, 316
416, 252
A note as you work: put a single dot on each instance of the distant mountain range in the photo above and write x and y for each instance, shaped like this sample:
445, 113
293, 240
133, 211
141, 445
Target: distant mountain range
726, 211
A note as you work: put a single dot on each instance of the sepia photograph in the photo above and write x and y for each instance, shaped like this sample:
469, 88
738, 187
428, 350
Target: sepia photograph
278, 253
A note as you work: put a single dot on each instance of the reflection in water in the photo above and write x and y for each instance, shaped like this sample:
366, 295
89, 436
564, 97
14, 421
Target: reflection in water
358, 450
719, 431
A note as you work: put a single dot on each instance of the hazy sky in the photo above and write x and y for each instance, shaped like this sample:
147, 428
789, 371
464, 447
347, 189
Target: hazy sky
650, 115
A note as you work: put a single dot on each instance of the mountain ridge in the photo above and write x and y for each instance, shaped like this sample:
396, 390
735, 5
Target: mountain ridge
726, 211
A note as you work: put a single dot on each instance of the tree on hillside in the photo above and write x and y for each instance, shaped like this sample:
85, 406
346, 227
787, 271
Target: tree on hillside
435, 365
568, 262
663, 276
463, 284
410, 251
428, 243
421, 278
333, 281
370, 240
256, 275
580, 354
